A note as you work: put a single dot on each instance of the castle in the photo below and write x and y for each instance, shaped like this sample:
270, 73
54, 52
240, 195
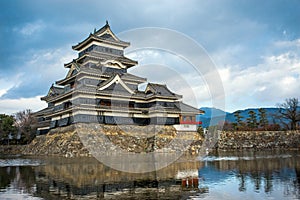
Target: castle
98, 89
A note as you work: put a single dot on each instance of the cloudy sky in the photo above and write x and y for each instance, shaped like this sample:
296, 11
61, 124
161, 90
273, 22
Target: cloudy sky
253, 44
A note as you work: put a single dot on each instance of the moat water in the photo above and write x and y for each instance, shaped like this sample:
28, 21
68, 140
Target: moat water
225, 175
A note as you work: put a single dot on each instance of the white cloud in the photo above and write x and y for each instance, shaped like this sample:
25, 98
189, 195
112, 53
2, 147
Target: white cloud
21, 90
11, 106
288, 43
31, 28
42, 68
50, 62
228, 54
7, 83
270, 82
2, 91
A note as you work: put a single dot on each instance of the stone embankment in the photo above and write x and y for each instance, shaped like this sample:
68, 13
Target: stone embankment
81, 139
60, 141
11, 149
258, 140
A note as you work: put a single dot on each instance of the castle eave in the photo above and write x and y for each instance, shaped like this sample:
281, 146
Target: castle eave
93, 37
104, 57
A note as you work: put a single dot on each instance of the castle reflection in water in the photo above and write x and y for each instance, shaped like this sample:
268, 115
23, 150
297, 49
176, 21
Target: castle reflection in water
86, 178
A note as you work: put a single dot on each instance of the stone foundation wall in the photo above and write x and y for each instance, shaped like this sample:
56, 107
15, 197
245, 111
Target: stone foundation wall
68, 141
79, 139
11, 149
60, 141
258, 140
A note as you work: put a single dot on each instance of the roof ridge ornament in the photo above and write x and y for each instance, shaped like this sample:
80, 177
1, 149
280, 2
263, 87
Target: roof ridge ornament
101, 35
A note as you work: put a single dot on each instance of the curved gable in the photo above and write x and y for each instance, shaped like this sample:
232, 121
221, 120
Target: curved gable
114, 64
116, 80
74, 69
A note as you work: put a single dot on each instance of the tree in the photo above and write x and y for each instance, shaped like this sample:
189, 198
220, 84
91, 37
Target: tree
24, 123
238, 117
7, 128
252, 120
289, 111
240, 124
200, 131
263, 121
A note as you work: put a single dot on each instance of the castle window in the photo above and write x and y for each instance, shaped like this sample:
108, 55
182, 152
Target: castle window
72, 85
67, 104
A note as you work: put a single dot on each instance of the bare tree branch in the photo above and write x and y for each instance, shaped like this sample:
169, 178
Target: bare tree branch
290, 111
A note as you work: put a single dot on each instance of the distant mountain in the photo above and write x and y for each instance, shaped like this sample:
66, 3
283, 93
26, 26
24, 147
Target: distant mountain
214, 116
213, 112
